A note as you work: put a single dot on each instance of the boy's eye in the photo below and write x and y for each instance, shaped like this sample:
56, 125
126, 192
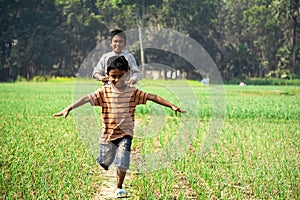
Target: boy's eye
116, 76
118, 41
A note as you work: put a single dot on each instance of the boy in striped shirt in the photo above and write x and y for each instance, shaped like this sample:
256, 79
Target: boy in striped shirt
118, 101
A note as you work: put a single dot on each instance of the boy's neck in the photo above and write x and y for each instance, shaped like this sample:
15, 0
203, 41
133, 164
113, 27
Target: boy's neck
118, 53
121, 88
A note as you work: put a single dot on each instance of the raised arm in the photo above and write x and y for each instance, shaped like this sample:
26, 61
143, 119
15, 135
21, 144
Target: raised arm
65, 112
162, 101
134, 70
99, 77
99, 70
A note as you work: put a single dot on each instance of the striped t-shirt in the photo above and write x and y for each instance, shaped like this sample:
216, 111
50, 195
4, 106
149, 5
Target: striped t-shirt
118, 109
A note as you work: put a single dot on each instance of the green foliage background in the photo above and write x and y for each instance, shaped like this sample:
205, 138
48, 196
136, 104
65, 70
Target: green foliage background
245, 39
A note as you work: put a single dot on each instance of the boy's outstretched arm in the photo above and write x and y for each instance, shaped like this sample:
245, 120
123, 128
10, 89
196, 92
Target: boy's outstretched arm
65, 112
162, 101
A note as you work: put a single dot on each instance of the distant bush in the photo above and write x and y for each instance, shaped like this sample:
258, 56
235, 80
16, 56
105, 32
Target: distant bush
273, 81
265, 81
39, 79
46, 79
61, 79
20, 79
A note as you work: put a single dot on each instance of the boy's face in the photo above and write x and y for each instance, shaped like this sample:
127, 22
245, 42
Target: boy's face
117, 77
117, 43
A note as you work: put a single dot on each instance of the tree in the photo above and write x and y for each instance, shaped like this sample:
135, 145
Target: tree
287, 13
47, 37
196, 18
253, 23
263, 35
81, 25
27, 30
244, 38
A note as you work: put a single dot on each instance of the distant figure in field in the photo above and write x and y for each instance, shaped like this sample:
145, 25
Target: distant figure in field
205, 80
242, 84
118, 43
118, 101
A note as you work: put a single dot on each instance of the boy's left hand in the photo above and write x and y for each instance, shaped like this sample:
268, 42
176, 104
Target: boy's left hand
64, 113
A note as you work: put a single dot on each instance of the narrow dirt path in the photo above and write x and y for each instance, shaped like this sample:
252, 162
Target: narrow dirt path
106, 191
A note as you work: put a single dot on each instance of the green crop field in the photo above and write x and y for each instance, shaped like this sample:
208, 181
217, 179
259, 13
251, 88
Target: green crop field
255, 155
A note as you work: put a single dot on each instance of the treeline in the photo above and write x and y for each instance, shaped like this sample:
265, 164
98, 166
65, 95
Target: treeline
258, 38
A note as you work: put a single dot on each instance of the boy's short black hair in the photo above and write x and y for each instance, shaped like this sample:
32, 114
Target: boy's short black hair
117, 62
118, 32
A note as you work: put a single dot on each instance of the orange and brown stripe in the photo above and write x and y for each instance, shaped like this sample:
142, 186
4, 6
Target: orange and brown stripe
118, 109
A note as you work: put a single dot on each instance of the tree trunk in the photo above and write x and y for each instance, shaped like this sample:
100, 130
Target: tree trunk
295, 68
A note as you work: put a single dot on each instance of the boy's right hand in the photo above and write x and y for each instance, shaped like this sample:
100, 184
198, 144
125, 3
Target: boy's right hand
177, 109
99, 77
